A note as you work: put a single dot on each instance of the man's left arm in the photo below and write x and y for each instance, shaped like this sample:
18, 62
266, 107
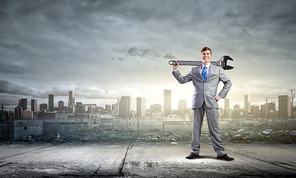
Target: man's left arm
227, 85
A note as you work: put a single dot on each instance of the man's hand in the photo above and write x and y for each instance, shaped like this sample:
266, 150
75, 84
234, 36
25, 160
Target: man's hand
175, 66
217, 97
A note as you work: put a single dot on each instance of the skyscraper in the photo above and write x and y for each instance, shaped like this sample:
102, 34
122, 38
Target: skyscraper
226, 103
247, 102
156, 108
61, 106
182, 107
90, 109
50, 102
79, 107
18, 112
266, 108
284, 106
255, 111
167, 102
125, 107
108, 108
43, 107
23, 103
71, 102
226, 108
34, 105
141, 107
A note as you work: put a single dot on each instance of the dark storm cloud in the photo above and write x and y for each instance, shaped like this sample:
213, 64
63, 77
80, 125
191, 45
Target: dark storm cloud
142, 52
7, 87
83, 92
169, 56
10, 88
10, 68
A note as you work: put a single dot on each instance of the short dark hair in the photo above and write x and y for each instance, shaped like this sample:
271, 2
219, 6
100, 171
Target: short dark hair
206, 48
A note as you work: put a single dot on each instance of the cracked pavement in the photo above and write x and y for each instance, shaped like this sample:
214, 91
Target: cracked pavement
145, 159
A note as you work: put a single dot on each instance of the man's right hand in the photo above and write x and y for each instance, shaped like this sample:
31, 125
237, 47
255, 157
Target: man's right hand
175, 66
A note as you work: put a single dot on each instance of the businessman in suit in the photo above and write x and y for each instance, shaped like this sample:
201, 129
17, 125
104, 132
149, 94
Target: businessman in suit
205, 79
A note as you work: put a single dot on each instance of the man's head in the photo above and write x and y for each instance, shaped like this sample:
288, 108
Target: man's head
206, 55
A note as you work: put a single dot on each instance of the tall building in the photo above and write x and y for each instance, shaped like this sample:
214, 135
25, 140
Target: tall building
182, 107
108, 108
50, 102
113, 110
90, 109
117, 106
141, 107
226, 103
113, 107
155, 110
266, 108
23, 103
100, 110
71, 102
271, 106
226, 108
125, 107
284, 106
80, 108
43, 107
28, 114
247, 102
18, 112
34, 105
228, 113
167, 102
255, 111
237, 111
61, 106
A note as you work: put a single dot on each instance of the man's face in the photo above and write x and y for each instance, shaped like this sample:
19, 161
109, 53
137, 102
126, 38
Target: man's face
206, 56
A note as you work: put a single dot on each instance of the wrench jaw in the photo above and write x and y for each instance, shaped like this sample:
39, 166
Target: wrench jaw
224, 63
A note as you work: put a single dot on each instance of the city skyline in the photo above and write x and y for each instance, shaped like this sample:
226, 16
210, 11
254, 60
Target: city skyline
105, 49
140, 102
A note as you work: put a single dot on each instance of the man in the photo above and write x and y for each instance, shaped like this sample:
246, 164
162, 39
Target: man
205, 79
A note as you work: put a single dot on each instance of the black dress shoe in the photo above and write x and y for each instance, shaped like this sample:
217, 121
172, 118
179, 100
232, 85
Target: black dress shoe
192, 156
225, 157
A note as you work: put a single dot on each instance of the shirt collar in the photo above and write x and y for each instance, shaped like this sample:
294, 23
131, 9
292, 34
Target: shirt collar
208, 66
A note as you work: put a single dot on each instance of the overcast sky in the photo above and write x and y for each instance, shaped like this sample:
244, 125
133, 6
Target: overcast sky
105, 49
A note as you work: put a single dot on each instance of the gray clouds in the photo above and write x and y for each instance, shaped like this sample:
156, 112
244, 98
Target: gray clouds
97, 46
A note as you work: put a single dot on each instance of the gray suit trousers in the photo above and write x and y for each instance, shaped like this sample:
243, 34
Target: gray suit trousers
212, 118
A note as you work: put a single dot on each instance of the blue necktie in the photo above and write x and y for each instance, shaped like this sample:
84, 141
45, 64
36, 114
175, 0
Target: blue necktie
204, 73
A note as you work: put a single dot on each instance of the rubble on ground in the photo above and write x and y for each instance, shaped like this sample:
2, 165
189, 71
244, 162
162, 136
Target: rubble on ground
253, 134
96, 135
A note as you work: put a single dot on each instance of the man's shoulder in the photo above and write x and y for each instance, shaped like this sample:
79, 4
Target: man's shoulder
215, 68
196, 67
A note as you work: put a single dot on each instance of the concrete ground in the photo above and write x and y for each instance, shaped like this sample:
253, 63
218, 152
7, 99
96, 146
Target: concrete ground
146, 159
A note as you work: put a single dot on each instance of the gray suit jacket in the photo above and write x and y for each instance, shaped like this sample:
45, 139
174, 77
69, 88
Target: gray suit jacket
205, 91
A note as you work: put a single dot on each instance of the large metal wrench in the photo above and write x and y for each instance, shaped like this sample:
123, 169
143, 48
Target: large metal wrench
222, 62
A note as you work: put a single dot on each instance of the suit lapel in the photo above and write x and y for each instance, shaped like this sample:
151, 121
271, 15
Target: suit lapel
199, 72
210, 70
